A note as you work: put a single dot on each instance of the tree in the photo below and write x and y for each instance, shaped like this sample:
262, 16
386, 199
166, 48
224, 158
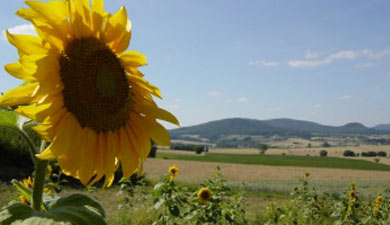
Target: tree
323, 153
263, 148
325, 144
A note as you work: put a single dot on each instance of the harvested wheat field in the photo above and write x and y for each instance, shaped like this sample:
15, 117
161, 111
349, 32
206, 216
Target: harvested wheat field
192, 170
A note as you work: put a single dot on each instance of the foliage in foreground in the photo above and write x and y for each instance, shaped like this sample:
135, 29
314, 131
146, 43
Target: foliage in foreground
210, 203
308, 207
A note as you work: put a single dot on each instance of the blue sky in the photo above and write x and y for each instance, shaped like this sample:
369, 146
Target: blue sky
323, 61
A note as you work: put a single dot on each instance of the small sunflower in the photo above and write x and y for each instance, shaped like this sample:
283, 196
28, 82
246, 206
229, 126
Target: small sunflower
29, 183
85, 89
353, 184
204, 195
352, 194
307, 174
24, 200
379, 199
173, 171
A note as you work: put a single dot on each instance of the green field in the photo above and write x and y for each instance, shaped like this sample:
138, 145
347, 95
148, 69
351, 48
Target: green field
281, 160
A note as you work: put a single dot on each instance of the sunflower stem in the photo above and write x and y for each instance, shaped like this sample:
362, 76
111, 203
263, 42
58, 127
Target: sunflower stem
39, 180
32, 146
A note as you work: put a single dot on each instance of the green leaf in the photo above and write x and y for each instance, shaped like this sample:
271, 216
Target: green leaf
9, 119
26, 192
159, 203
74, 209
15, 212
78, 209
40, 221
174, 210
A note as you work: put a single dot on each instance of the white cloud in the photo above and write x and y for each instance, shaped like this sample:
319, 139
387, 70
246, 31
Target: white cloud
317, 106
375, 54
276, 109
173, 107
242, 99
237, 100
214, 93
20, 29
263, 63
364, 65
343, 98
311, 60
311, 55
305, 63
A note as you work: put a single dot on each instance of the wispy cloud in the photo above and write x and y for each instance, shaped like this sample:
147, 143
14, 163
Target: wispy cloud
214, 93
343, 98
19, 29
317, 106
242, 99
375, 54
173, 107
311, 55
313, 61
276, 109
388, 75
364, 65
263, 63
237, 100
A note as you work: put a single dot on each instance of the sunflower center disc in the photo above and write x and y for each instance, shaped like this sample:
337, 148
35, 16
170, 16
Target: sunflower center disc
95, 90
205, 195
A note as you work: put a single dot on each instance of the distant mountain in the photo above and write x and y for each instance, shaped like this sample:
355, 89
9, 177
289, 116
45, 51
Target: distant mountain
382, 127
281, 127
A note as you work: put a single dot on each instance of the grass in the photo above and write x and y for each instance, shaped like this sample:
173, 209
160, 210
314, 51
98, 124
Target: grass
281, 160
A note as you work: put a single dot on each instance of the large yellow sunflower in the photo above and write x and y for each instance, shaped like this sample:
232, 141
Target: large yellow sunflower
84, 88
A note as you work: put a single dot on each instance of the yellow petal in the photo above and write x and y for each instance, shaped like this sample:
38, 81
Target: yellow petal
151, 110
45, 31
87, 156
131, 59
155, 131
122, 43
53, 13
48, 128
109, 161
97, 17
19, 95
138, 135
17, 71
46, 154
100, 153
61, 142
70, 159
143, 84
28, 44
39, 112
116, 26
79, 23
128, 156
35, 68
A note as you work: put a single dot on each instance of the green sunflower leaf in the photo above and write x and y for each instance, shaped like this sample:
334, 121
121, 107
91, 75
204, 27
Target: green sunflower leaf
77, 209
74, 209
26, 192
9, 119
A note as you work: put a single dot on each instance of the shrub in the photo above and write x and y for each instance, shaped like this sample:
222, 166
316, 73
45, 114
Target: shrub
325, 144
371, 154
381, 154
348, 153
323, 153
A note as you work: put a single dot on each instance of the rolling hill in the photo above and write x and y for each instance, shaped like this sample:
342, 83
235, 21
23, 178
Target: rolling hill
280, 127
382, 127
